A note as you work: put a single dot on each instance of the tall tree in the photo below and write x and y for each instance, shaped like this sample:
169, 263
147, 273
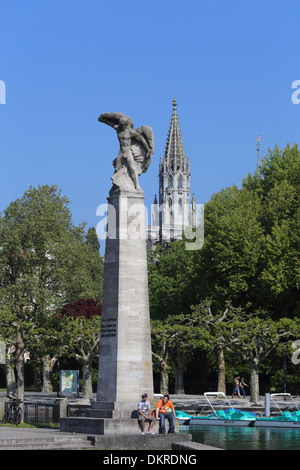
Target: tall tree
176, 337
86, 268
39, 262
82, 334
214, 326
228, 263
256, 339
250, 256
278, 185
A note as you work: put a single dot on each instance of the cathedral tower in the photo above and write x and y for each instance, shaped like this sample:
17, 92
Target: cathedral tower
175, 211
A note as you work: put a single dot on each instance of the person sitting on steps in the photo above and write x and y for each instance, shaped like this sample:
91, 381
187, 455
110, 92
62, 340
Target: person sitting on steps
165, 410
144, 410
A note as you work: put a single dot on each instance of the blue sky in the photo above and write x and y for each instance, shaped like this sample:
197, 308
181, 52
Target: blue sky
230, 65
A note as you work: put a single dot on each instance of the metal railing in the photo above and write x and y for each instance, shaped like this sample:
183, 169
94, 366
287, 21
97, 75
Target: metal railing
45, 413
38, 412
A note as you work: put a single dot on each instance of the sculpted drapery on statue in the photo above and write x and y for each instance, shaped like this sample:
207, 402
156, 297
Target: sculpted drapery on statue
136, 149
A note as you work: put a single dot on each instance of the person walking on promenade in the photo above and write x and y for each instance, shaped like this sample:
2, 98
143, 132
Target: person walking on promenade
236, 386
242, 386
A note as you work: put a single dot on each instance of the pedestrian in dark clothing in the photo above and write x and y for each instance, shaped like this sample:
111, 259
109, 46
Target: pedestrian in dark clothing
242, 386
236, 387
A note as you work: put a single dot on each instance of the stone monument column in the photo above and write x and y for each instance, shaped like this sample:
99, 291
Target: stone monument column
125, 358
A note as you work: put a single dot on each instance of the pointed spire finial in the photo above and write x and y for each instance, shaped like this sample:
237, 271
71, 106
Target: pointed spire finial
174, 157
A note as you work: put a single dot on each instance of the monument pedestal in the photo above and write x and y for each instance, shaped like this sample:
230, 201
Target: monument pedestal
125, 357
91, 425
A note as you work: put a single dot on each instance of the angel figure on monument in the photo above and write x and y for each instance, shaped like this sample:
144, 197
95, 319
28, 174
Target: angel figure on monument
136, 149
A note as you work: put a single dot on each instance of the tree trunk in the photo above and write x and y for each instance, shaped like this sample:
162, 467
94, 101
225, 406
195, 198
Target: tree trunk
48, 364
179, 370
203, 367
164, 378
164, 375
221, 371
20, 369
87, 388
254, 381
11, 386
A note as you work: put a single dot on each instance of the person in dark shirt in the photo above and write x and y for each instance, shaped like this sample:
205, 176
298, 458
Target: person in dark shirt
242, 386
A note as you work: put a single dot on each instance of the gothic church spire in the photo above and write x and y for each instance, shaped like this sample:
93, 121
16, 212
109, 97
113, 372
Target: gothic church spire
175, 211
174, 156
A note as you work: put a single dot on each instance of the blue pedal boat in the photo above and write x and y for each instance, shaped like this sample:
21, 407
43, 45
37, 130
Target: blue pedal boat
222, 417
286, 419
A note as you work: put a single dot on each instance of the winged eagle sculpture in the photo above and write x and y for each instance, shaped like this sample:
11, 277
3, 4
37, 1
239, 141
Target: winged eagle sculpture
136, 150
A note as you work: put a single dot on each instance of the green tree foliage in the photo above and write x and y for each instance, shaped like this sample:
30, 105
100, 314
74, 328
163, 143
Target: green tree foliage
170, 274
43, 260
250, 259
278, 186
256, 339
228, 264
179, 336
86, 267
82, 334
252, 239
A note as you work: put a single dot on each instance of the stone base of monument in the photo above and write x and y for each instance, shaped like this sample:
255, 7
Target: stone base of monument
107, 418
146, 442
107, 426
104, 417
123, 434
111, 409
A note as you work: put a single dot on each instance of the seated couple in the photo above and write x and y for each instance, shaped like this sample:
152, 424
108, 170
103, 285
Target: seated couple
164, 410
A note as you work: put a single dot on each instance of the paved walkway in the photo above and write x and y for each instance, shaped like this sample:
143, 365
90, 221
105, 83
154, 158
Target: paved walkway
198, 401
12, 438
15, 432
191, 402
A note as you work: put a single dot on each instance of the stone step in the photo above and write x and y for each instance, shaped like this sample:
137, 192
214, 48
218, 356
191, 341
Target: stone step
47, 444
92, 425
97, 413
103, 405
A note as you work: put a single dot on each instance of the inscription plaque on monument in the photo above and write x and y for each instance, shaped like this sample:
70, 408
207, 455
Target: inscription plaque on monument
109, 327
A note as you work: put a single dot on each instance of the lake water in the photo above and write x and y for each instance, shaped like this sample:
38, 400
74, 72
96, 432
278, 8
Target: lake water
244, 438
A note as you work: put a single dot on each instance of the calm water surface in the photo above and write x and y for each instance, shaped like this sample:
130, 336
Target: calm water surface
244, 438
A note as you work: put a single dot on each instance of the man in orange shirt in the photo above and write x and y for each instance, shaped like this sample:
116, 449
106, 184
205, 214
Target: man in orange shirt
165, 410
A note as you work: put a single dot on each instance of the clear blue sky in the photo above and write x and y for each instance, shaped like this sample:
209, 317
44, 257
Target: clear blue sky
230, 65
